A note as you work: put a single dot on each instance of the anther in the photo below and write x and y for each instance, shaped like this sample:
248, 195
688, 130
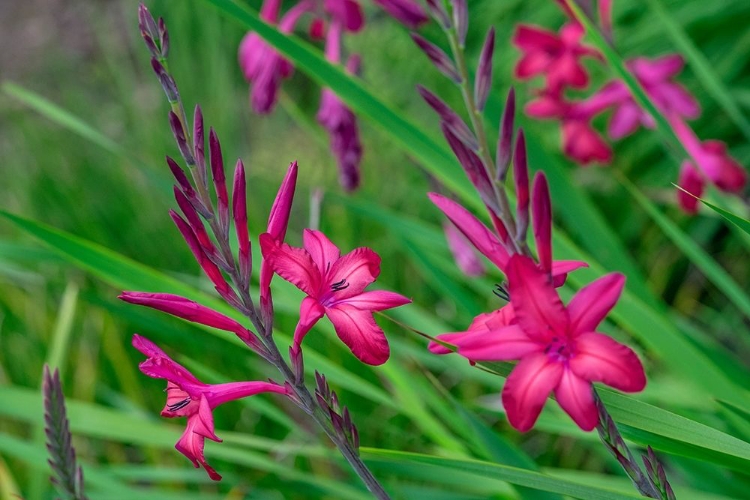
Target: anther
340, 285
501, 292
179, 405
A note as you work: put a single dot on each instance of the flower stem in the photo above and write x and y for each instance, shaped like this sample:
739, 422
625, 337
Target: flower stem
475, 116
610, 436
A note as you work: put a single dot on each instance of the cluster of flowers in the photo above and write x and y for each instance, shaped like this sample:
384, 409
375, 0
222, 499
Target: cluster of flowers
557, 57
334, 284
265, 68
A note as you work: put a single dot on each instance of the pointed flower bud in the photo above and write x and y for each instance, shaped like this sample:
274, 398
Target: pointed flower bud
450, 118
506, 135
473, 167
199, 143
193, 312
195, 222
541, 211
408, 12
461, 19
179, 135
483, 80
211, 270
521, 178
163, 38
217, 170
239, 212
438, 12
166, 81
439, 58
149, 30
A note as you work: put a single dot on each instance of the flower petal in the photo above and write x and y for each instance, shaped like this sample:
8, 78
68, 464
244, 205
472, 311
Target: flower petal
310, 311
358, 330
323, 252
527, 388
591, 304
376, 300
293, 264
199, 426
561, 268
601, 359
574, 395
505, 344
477, 233
541, 212
159, 365
351, 274
536, 305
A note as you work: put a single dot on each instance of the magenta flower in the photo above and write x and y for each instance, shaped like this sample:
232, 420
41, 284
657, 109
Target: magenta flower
347, 13
335, 287
710, 161
557, 57
559, 348
189, 397
262, 66
581, 142
656, 78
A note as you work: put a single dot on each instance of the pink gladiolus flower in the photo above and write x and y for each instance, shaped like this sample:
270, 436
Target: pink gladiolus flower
558, 347
189, 397
656, 78
556, 57
335, 287
408, 12
261, 64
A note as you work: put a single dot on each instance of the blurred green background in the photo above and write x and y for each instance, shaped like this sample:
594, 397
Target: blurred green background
89, 160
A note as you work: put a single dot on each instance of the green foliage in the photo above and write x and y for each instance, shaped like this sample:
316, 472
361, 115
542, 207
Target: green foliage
83, 133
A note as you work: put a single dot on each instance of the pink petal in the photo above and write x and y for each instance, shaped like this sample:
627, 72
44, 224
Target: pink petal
218, 394
625, 120
583, 144
310, 311
466, 258
408, 12
541, 211
376, 300
192, 441
323, 252
537, 306
495, 319
477, 233
178, 403
505, 344
591, 304
529, 38
680, 101
450, 338
574, 395
598, 358
354, 272
159, 365
531, 64
358, 330
561, 268
293, 264
657, 70
527, 388
691, 181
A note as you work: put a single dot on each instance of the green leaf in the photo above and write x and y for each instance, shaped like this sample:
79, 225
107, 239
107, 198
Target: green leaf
698, 256
738, 221
513, 475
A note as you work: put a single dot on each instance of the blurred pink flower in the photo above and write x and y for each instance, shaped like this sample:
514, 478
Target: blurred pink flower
346, 12
189, 397
557, 57
558, 347
335, 287
339, 120
656, 78
709, 160
464, 254
262, 66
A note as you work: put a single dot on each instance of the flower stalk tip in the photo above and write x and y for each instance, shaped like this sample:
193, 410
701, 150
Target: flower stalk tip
484, 71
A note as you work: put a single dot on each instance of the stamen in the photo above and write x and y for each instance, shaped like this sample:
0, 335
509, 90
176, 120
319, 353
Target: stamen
179, 405
501, 292
340, 285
